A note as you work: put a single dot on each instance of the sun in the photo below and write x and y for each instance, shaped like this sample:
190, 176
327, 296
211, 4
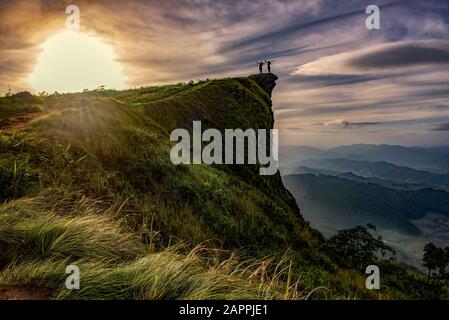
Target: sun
72, 61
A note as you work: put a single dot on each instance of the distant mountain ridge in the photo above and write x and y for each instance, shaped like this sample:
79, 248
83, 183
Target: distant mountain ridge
351, 176
435, 159
355, 202
381, 170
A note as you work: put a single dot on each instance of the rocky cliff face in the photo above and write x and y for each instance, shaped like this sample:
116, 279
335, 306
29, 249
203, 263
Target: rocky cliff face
266, 81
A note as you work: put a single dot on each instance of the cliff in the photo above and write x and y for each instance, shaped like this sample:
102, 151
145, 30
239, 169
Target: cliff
91, 181
266, 81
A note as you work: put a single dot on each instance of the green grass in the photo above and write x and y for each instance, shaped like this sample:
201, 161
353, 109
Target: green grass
38, 245
13, 105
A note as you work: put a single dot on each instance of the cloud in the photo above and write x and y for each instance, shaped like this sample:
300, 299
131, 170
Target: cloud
404, 55
329, 65
155, 41
441, 127
439, 107
345, 124
378, 59
166, 41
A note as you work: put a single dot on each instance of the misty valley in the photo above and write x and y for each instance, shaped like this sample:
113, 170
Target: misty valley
402, 191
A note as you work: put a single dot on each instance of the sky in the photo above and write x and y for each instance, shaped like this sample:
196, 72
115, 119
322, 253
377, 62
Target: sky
339, 83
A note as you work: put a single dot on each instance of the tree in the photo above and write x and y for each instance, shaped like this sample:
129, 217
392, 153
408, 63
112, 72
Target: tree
435, 258
444, 274
429, 258
356, 247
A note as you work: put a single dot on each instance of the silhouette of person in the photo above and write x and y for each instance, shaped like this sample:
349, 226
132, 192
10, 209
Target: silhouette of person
261, 63
269, 62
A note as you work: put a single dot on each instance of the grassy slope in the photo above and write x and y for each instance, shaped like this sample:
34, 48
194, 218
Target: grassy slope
92, 184
13, 108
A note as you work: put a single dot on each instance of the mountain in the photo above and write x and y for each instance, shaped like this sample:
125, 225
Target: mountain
364, 203
442, 149
315, 171
418, 158
435, 160
383, 182
351, 176
122, 139
407, 219
291, 155
382, 170
87, 182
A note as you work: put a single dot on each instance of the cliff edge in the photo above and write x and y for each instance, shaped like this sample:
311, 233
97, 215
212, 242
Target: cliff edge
266, 81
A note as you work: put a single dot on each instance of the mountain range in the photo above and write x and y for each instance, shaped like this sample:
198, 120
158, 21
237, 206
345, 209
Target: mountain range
382, 170
434, 159
402, 190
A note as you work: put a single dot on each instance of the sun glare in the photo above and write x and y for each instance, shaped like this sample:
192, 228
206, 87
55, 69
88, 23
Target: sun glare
72, 61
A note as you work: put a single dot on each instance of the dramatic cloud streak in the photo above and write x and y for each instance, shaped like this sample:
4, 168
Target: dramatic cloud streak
378, 60
330, 66
442, 127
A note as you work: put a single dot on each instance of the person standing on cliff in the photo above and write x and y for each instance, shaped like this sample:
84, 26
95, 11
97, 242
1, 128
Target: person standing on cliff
269, 62
261, 63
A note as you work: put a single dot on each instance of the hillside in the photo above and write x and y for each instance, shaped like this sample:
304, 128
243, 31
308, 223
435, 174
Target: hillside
87, 180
